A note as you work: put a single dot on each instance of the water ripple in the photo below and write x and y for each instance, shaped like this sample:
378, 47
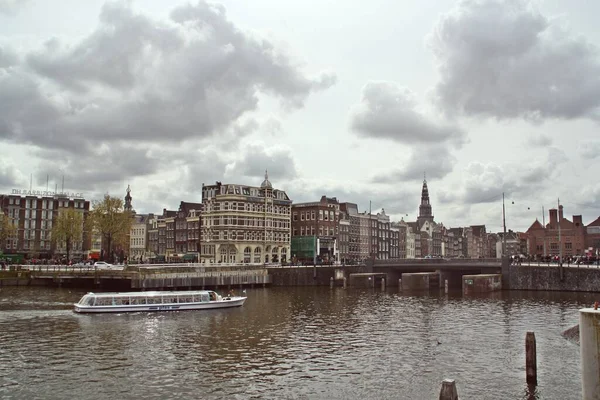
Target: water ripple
300, 343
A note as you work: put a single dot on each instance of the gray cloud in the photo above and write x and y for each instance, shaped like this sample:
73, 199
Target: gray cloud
8, 57
541, 140
590, 150
397, 202
436, 161
503, 59
11, 7
105, 165
256, 159
134, 78
9, 176
391, 112
485, 183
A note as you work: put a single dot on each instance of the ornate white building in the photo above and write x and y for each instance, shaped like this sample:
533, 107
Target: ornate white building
245, 224
138, 238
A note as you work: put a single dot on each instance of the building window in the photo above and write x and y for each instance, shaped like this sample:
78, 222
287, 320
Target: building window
295, 216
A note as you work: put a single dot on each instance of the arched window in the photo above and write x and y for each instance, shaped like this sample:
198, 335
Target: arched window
257, 255
247, 254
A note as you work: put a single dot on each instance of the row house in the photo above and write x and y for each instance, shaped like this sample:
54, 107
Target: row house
456, 240
33, 217
383, 236
395, 242
476, 241
401, 228
138, 237
354, 253
321, 219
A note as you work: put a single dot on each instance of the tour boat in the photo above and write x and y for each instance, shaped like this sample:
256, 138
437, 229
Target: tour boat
155, 301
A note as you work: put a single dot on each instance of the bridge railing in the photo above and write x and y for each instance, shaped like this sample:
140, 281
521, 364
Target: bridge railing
429, 261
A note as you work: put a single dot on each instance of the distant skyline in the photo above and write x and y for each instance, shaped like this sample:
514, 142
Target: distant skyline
334, 98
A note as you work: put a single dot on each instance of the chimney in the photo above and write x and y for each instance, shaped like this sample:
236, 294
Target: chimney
560, 212
553, 216
577, 220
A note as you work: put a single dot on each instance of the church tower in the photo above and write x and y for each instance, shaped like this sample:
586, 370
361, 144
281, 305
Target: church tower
425, 212
128, 198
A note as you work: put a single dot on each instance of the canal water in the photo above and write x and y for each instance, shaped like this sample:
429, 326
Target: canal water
291, 343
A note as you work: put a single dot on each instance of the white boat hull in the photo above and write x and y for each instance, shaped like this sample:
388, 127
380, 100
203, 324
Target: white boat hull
224, 303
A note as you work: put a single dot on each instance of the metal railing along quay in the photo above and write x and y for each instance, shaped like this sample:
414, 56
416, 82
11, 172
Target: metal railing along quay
456, 261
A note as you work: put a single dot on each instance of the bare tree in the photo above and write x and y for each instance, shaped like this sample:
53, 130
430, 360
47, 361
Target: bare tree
7, 229
68, 228
112, 221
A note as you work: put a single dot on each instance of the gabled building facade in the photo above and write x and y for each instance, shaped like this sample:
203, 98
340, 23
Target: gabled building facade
245, 224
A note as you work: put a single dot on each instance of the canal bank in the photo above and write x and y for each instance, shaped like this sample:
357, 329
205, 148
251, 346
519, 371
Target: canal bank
530, 277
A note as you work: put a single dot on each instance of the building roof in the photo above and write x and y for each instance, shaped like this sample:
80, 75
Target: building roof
596, 222
266, 183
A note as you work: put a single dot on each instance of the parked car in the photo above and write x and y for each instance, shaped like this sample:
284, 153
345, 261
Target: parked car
103, 265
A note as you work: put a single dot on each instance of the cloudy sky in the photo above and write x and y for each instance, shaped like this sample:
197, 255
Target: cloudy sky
332, 97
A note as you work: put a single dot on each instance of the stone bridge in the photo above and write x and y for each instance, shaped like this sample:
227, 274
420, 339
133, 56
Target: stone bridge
451, 270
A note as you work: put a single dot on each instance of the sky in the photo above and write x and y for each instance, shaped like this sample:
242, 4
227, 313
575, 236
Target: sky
340, 98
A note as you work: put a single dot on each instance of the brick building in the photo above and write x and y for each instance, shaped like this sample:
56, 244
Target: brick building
321, 219
544, 241
592, 238
33, 213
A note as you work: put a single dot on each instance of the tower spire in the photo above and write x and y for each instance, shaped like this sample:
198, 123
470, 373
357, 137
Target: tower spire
425, 212
128, 199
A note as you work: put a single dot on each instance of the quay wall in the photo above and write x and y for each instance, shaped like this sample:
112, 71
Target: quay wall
551, 278
313, 276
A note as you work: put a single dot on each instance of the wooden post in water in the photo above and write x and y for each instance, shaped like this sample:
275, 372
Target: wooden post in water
331, 282
530, 359
400, 284
345, 282
448, 391
382, 283
446, 286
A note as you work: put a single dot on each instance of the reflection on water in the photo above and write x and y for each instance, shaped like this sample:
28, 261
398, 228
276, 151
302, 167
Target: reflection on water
308, 343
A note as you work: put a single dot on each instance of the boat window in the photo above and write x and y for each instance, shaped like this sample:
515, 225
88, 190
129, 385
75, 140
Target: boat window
140, 300
87, 300
133, 300
186, 299
152, 300
196, 298
103, 301
205, 298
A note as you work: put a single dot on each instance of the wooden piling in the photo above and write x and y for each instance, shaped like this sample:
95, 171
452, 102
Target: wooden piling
382, 283
400, 284
448, 391
345, 282
331, 282
446, 286
530, 359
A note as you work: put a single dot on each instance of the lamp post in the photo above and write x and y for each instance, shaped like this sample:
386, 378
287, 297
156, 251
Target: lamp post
504, 226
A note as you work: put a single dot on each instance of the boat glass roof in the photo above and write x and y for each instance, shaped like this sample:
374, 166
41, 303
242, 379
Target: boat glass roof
151, 293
